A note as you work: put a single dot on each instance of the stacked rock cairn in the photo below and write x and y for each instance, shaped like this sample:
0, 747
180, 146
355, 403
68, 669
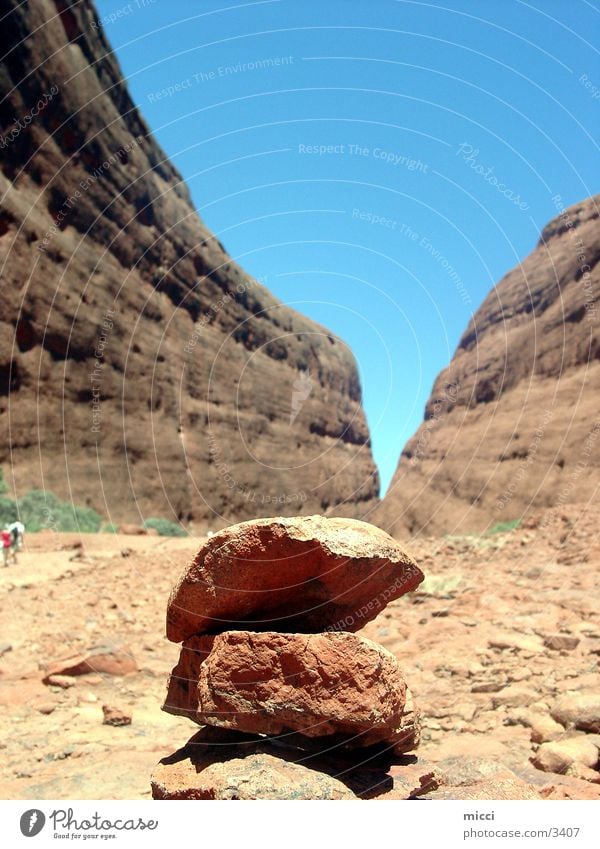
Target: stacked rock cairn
293, 703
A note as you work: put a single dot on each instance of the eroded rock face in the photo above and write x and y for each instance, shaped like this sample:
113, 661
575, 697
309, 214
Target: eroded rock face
176, 381
512, 423
298, 574
317, 685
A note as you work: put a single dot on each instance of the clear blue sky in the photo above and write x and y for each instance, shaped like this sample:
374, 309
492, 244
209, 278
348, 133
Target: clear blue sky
412, 110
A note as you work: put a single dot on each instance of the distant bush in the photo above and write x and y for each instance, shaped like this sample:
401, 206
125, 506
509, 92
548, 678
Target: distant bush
110, 528
165, 528
504, 527
40, 510
440, 586
8, 511
8, 508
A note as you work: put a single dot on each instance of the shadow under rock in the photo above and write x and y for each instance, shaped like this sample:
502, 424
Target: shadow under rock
364, 771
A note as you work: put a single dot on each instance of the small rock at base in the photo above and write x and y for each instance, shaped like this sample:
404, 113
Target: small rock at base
115, 716
544, 729
559, 755
500, 787
581, 710
108, 660
561, 642
62, 681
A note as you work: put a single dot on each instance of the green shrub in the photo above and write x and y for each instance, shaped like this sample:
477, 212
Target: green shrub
110, 528
165, 528
504, 527
440, 586
40, 510
8, 511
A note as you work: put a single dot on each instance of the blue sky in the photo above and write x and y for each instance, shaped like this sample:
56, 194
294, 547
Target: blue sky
379, 165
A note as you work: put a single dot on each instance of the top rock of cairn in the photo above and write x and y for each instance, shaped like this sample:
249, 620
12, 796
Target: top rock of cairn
305, 574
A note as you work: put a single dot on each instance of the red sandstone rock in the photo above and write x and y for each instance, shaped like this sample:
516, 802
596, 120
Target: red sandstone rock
115, 716
560, 755
409, 736
62, 681
301, 574
133, 530
220, 764
412, 780
315, 684
561, 642
579, 790
544, 729
579, 710
502, 786
106, 659
254, 776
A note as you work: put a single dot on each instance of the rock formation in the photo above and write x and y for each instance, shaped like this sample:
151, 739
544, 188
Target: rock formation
512, 423
306, 573
309, 704
180, 385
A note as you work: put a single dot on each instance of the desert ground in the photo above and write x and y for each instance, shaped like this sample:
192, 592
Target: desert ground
505, 625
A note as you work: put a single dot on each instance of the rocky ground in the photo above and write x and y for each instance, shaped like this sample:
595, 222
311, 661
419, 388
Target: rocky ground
503, 634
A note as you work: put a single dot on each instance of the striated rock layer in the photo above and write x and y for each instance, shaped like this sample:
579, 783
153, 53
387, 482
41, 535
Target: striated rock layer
512, 423
181, 386
317, 685
298, 574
